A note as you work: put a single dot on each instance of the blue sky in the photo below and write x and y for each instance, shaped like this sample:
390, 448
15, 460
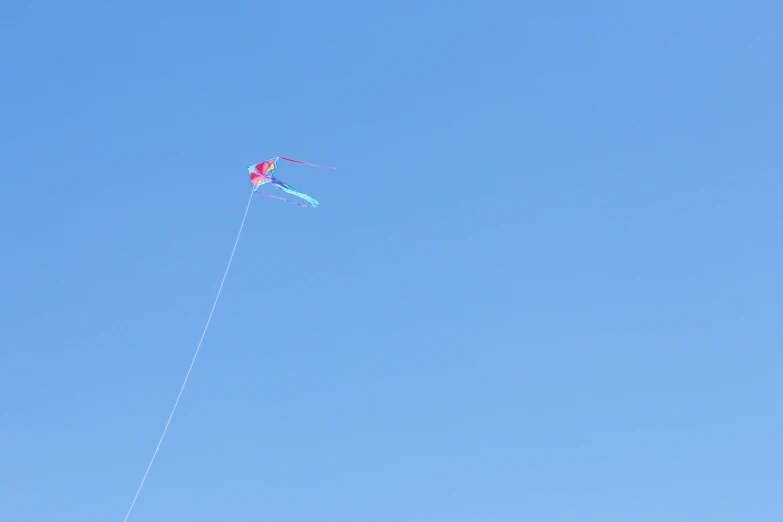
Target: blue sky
544, 283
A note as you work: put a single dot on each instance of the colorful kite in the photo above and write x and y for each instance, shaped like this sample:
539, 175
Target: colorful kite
261, 174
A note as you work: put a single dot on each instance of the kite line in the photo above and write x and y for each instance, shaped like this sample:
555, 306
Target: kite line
198, 348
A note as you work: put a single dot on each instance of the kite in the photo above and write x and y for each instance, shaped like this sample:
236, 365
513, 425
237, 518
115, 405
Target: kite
261, 174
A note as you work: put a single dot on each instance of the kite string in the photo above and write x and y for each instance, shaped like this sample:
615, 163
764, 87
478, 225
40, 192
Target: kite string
192, 362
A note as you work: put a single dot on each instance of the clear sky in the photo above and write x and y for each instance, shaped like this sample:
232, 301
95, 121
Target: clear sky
544, 284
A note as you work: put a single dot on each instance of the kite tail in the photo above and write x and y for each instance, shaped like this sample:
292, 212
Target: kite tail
306, 163
285, 187
283, 199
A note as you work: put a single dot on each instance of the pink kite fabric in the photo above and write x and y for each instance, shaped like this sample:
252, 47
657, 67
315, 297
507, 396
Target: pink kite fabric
261, 174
